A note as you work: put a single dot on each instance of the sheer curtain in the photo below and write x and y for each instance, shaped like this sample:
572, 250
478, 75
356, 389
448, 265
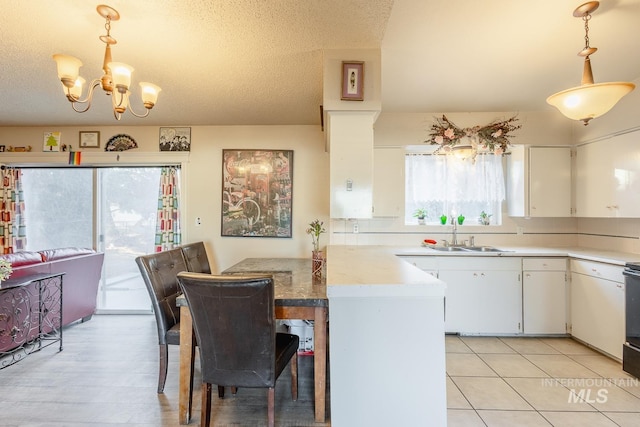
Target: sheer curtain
446, 185
168, 234
12, 227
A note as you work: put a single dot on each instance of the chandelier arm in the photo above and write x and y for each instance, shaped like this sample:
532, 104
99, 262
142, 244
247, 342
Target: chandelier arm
74, 101
138, 115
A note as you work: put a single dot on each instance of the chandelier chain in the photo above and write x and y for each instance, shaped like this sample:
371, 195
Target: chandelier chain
586, 18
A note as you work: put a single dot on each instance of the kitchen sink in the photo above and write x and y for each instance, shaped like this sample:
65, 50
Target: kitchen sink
448, 248
483, 249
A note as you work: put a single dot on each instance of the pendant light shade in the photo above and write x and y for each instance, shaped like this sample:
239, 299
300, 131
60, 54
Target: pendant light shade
589, 100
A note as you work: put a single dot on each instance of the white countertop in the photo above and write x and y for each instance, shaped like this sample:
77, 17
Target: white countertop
611, 257
376, 271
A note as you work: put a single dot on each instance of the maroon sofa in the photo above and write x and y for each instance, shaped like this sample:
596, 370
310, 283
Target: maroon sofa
82, 268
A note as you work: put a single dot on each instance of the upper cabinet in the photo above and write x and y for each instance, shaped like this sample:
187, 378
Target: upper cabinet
608, 177
539, 181
388, 182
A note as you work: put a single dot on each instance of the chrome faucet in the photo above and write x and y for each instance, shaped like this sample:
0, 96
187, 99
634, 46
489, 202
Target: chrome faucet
454, 231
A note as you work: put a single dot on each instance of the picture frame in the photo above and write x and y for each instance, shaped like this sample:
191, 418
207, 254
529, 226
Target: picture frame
51, 142
89, 139
352, 81
175, 139
257, 193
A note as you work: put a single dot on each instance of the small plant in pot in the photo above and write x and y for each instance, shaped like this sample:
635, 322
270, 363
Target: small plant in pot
420, 213
315, 229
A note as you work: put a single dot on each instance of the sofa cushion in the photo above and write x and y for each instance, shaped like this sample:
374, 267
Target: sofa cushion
54, 254
18, 259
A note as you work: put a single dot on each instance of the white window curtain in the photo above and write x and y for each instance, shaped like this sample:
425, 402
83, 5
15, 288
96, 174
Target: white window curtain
447, 185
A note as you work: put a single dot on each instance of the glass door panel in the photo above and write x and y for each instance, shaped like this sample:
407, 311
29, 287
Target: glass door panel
127, 204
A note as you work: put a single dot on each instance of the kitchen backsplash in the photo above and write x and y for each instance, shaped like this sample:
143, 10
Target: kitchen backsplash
603, 233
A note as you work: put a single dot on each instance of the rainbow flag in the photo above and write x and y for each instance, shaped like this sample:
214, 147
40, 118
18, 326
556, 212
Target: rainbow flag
75, 157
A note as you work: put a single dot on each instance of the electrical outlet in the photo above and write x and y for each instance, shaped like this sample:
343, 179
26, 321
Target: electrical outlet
519, 231
198, 221
355, 228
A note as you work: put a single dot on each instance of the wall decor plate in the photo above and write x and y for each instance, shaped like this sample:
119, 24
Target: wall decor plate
120, 142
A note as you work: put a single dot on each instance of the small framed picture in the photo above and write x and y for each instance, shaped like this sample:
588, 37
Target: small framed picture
90, 139
51, 141
175, 139
352, 80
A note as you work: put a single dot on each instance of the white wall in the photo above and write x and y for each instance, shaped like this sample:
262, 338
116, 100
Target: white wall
202, 177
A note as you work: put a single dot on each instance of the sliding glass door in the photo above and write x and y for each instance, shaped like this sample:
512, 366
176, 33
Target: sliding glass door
111, 209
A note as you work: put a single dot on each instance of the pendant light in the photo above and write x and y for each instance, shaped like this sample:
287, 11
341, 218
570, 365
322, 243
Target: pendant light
589, 100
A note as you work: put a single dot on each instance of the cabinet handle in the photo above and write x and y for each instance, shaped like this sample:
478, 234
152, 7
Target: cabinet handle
528, 275
619, 286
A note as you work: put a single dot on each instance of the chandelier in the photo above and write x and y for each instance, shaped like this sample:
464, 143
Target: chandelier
115, 81
589, 100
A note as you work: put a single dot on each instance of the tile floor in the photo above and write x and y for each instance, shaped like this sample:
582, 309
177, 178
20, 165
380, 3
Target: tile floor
521, 382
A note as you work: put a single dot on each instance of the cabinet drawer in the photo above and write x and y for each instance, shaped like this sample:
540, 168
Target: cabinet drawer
598, 269
480, 263
544, 264
429, 263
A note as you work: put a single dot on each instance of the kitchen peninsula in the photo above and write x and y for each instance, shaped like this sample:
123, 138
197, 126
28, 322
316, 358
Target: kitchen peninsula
386, 339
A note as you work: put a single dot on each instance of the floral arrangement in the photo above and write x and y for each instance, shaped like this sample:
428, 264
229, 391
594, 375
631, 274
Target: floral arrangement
493, 137
5, 269
315, 230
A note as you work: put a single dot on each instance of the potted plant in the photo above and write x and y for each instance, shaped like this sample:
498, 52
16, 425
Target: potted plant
485, 218
420, 213
315, 230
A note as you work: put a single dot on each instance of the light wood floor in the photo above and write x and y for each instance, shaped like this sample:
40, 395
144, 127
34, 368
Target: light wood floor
106, 375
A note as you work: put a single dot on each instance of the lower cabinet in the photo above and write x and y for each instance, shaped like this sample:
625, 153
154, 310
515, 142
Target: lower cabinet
597, 305
483, 296
544, 296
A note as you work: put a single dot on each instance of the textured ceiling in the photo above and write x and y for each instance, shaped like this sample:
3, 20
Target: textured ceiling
231, 62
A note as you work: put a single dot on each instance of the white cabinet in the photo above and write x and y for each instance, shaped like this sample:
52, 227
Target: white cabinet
544, 296
608, 177
597, 305
483, 295
350, 136
428, 264
539, 181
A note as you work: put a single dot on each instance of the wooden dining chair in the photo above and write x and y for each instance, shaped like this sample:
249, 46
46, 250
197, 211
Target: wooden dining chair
234, 323
159, 272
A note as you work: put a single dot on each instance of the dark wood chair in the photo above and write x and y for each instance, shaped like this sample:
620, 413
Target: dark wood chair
196, 257
159, 271
235, 327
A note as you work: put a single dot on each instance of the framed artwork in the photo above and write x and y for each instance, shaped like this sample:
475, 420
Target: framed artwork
175, 139
51, 141
257, 193
352, 80
90, 139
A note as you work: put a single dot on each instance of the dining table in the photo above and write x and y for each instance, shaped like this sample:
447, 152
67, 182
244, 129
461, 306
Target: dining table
298, 294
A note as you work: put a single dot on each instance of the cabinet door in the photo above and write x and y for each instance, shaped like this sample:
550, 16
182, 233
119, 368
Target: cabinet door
550, 181
594, 181
388, 182
625, 153
597, 312
482, 302
544, 302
